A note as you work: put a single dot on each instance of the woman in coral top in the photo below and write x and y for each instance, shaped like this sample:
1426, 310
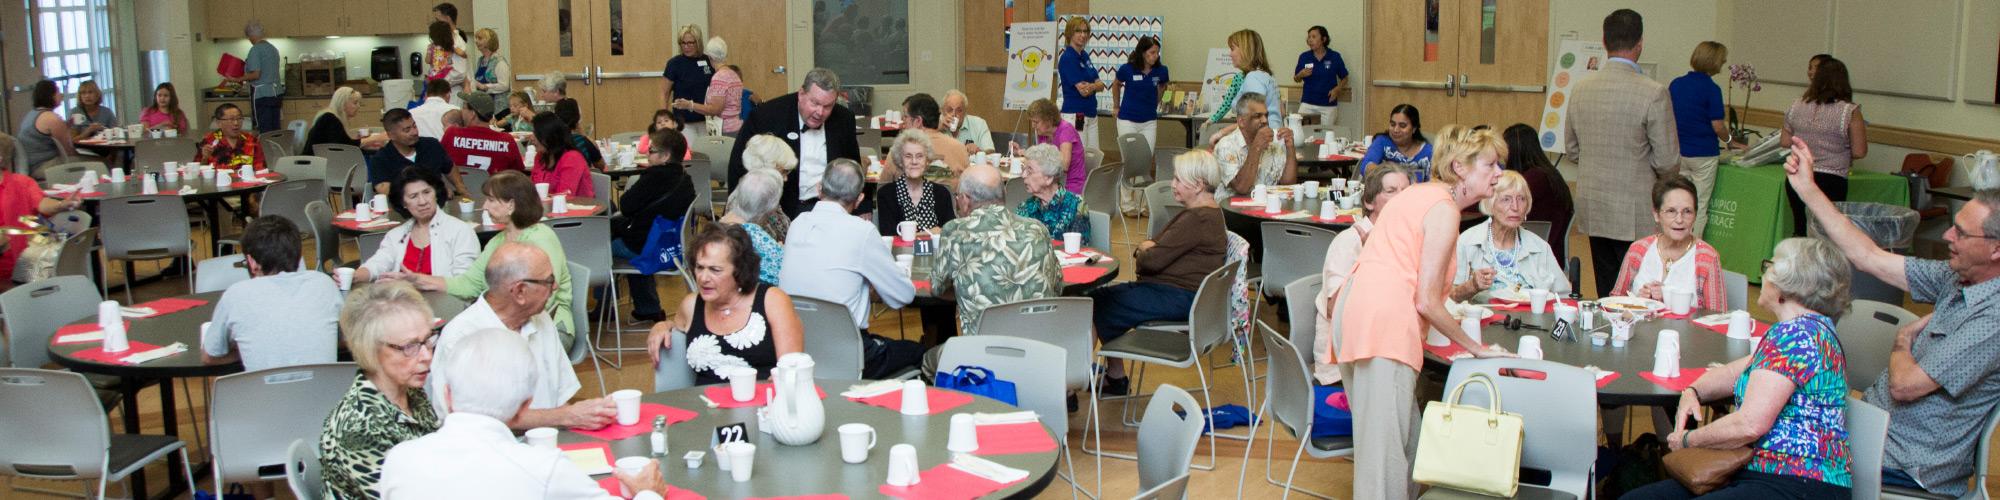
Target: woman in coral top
1396, 293
1674, 257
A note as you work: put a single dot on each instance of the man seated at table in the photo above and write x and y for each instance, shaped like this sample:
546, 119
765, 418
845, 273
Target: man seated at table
969, 130
846, 259
1253, 154
520, 281
405, 148
474, 144
437, 103
474, 455
990, 256
920, 112
554, 87
281, 316
1941, 379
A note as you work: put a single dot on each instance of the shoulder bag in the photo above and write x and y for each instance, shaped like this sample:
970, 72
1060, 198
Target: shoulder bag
1469, 448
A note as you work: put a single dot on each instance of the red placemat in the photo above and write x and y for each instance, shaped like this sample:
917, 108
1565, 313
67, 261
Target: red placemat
351, 224
267, 174
1607, 380
719, 394
83, 328
58, 194
1271, 215
921, 284
1665, 314
114, 358
903, 243
247, 184
647, 411
944, 482
1010, 439
940, 400
1083, 274
1675, 384
1244, 201
170, 305
1758, 330
610, 485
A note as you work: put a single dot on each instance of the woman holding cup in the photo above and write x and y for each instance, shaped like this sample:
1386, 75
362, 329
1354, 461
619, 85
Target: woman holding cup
1056, 207
731, 320
330, 125
1791, 391
90, 112
424, 243
1497, 255
1673, 259
561, 165
1171, 267
1377, 188
912, 197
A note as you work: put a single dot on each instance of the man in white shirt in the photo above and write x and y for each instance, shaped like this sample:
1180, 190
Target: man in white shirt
843, 260
430, 114
520, 281
474, 455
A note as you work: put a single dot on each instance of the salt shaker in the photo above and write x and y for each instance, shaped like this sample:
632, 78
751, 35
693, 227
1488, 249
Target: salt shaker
659, 437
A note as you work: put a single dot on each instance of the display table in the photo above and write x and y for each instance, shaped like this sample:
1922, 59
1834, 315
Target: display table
1748, 214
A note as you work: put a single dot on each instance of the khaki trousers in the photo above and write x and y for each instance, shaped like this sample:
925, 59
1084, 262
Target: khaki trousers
1382, 394
1701, 172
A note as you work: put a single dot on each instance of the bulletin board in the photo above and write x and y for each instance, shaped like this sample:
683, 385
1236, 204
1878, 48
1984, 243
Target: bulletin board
1111, 41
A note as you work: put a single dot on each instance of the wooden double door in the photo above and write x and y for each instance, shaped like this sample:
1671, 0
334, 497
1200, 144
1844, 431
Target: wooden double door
1467, 62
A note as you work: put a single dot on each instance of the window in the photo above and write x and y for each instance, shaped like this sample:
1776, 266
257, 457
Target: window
866, 42
74, 46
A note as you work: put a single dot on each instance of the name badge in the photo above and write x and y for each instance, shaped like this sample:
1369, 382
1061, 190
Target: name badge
1138, 78
702, 63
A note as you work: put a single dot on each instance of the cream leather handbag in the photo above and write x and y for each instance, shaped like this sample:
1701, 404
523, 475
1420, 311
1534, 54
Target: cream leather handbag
1470, 448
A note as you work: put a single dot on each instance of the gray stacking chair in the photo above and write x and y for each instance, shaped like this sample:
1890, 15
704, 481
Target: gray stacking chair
73, 172
579, 344
216, 274
1168, 436
1736, 287
1866, 333
257, 415
1062, 322
346, 163
1160, 207
369, 243
300, 167
1291, 251
1182, 346
1173, 489
76, 258
1100, 231
1559, 413
319, 220
151, 154
276, 143
55, 429
1867, 436
146, 227
673, 372
1288, 396
1301, 314
302, 470
833, 340
587, 241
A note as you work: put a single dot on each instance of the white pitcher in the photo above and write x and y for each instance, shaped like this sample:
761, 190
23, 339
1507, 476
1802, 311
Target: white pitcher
1983, 167
796, 416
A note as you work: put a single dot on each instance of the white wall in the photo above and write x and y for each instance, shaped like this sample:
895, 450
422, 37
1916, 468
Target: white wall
1672, 28
168, 25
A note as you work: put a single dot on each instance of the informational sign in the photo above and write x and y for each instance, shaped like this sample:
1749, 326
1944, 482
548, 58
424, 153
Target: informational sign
1215, 79
1031, 64
1112, 39
1576, 59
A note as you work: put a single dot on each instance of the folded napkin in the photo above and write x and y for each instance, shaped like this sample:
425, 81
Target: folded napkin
1293, 215
169, 350
187, 190
592, 458
1005, 418
876, 388
986, 469
1244, 201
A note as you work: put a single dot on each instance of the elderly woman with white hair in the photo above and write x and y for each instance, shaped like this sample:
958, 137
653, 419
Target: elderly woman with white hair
387, 327
911, 197
330, 125
757, 194
768, 152
722, 103
1497, 257
1171, 266
1790, 392
1058, 209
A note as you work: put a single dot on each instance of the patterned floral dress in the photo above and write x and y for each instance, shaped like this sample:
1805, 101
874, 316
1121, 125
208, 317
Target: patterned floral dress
359, 433
1809, 439
1063, 213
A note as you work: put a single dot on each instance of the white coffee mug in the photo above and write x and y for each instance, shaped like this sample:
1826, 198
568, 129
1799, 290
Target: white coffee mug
907, 230
628, 406
379, 203
1531, 347
856, 440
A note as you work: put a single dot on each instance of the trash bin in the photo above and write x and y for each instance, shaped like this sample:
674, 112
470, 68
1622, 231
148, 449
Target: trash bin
1892, 227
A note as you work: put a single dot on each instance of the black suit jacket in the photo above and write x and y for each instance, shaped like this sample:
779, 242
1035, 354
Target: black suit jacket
780, 117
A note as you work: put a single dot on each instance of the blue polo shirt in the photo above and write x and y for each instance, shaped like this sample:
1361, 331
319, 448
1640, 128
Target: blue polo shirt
1073, 68
1697, 103
1327, 72
690, 76
1141, 102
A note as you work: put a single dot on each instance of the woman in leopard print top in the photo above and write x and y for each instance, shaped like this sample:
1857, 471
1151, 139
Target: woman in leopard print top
388, 329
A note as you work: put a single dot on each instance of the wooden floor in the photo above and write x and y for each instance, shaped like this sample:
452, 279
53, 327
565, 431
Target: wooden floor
1119, 477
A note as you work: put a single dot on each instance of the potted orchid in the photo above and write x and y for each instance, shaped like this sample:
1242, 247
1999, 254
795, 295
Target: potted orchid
1745, 76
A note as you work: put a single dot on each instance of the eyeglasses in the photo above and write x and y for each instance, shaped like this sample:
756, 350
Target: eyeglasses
548, 282
413, 349
1962, 233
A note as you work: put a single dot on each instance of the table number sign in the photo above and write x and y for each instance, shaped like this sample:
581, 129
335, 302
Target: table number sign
729, 433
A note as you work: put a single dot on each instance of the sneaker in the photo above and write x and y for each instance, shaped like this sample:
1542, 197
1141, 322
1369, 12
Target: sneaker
1115, 386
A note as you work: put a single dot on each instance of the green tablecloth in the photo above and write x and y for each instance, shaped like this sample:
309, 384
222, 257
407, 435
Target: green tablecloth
1748, 214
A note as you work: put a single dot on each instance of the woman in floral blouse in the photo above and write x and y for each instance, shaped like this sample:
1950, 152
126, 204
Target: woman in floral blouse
1057, 208
388, 327
229, 144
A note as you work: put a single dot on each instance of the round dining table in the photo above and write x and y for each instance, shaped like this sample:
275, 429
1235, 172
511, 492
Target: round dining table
1077, 279
813, 469
345, 223
1699, 347
1245, 218
209, 194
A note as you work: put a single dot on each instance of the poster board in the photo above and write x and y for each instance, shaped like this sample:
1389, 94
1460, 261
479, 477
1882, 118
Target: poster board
1111, 41
1575, 60
1031, 64
1218, 73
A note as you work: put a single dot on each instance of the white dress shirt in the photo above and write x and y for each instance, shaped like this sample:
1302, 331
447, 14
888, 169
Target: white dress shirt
812, 160
555, 380
454, 245
476, 456
430, 117
837, 257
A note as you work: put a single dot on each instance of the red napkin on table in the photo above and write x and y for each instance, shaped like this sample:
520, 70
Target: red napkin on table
84, 328
940, 400
720, 395
1665, 314
1342, 219
1262, 213
1608, 379
1676, 384
647, 411
903, 243
576, 212
57, 194
170, 305
1445, 351
354, 225
610, 484
267, 174
1758, 330
944, 482
114, 358
1011, 439
1243, 201
921, 284
1083, 274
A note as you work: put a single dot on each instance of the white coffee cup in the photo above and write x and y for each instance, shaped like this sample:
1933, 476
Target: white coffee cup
903, 465
1471, 327
1538, 300
207, 173
362, 212
964, 434
246, 174
1740, 324
743, 384
1072, 242
628, 406
87, 183
344, 277
889, 241
856, 440
1531, 347
169, 174
558, 204
117, 175
363, 131
1566, 313
742, 459
1311, 188
1014, 166
630, 466
1328, 209
542, 189
486, 219
1257, 193
465, 205
379, 203
1274, 204
907, 230
149, 186
916, 398
1681, 301
542, 437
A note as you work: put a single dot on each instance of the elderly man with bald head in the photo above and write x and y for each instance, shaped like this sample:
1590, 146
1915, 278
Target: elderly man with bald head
520, 281
990, 256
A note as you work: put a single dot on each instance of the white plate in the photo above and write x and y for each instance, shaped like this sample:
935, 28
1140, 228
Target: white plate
1634, 304
1511, 294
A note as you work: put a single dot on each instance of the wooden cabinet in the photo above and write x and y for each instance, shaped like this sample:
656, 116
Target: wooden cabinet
280, 17
320, 18
227, 17
313, 18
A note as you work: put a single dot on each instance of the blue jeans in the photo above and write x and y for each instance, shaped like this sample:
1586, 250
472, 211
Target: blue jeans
1124, 306
645, 298
1898, 478
267, 112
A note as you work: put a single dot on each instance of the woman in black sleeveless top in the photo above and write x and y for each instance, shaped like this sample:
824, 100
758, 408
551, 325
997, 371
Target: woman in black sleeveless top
733, 320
